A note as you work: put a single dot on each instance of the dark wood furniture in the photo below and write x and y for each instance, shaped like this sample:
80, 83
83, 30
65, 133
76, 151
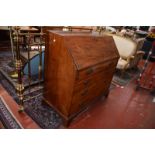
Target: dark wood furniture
78, 70
4, 33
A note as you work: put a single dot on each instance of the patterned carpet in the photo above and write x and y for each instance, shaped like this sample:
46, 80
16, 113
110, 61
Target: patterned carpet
41, 113
129, 76
7, 118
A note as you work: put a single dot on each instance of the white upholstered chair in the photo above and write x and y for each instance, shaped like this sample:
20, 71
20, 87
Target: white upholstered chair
129, 52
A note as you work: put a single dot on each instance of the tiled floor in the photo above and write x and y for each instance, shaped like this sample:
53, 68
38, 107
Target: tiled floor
124, 108
1, 125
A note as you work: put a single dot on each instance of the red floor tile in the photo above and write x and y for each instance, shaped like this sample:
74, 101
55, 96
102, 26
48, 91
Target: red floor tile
124, 108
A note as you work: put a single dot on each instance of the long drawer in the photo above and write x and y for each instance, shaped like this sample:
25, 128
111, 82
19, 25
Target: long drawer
83, 98
109, 65
86, 92
104, 75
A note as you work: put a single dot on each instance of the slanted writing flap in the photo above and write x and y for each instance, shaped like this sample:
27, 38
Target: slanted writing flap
88, 51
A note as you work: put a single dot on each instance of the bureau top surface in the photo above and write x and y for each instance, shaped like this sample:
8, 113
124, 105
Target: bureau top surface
73, 33
88, 49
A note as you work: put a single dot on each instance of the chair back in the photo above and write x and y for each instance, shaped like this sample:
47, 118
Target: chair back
126, 47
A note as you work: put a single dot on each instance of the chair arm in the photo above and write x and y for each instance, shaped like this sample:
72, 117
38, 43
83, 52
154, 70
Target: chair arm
140, 52
130, 58
133, 56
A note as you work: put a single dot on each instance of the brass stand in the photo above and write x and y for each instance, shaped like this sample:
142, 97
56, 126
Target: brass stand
29, 64
11, 40
18, 73
18, 65
40, 58
14, 73
101, 29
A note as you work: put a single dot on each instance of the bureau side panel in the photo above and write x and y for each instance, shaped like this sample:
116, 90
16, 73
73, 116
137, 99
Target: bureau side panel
59, 75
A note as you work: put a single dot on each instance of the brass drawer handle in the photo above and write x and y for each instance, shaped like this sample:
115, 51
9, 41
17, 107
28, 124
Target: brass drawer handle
89, 71
82, 104
84, 93
86, 82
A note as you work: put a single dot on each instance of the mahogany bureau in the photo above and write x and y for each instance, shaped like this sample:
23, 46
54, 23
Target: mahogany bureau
78, 70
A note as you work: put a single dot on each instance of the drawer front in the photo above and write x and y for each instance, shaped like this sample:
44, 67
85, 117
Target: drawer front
85, 93
109, 65
83, 98
103, 76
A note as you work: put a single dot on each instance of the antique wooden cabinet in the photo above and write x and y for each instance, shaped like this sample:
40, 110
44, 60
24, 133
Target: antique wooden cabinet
78, 70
